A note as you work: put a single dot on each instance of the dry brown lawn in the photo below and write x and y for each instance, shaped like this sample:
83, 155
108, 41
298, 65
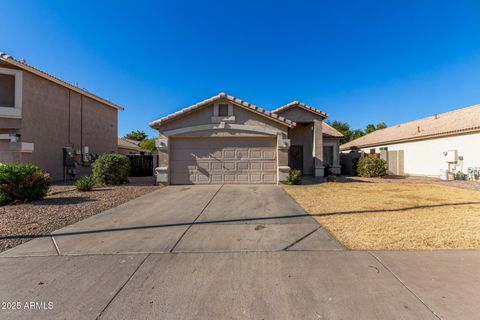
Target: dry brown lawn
393, 215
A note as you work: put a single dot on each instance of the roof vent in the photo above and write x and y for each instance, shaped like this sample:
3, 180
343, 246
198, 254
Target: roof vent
418, 129
435, 116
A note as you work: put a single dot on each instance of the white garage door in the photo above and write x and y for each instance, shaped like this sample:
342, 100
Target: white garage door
223, 160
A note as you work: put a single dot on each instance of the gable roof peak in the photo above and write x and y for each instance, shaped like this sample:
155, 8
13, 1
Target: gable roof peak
301, 105
155, 124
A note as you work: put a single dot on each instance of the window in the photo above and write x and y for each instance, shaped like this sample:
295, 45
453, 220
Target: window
223, 110
372, 151
328, 155
7, 90
384, 148
11, 93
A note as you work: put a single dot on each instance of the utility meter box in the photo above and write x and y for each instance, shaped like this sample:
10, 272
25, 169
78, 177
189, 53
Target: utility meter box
451, 156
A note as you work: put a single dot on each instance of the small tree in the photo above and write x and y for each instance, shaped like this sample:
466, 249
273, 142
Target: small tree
136, 135
381, 125
343, 128
148, 144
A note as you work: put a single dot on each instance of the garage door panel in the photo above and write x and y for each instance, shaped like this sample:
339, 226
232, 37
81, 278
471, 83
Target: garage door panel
268, 166
268, 154
269, 178
229, 154
221, 160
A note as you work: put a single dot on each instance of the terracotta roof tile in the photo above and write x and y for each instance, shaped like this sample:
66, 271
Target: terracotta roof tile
445, 124
328, 130
230, 98
301, 105
129, 144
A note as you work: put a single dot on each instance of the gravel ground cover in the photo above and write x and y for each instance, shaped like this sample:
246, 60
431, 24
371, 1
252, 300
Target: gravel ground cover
64, 208
395, 216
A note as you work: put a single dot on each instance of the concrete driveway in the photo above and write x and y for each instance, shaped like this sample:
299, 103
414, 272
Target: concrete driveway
237, 252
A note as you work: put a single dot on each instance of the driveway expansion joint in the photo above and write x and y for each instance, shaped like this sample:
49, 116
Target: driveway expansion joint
404, 284
121, 288
193, 222
301, 239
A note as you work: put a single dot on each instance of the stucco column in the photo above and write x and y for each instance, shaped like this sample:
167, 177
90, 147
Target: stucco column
163, 147
319, 169
283, 144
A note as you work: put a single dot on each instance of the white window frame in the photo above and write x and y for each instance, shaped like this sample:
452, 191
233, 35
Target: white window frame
16, 111
217, 119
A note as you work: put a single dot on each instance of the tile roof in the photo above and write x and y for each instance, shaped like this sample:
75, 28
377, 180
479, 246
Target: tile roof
22, 65
330, 131
446, 124
129, 144
301, 105
222, 95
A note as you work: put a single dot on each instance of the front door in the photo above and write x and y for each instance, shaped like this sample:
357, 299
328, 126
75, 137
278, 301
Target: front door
295, 158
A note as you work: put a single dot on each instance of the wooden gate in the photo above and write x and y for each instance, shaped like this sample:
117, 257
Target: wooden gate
141, 165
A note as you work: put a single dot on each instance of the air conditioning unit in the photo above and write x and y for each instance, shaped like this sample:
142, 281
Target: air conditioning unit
451, 156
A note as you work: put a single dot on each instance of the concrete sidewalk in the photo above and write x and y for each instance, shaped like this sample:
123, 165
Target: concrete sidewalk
239, 252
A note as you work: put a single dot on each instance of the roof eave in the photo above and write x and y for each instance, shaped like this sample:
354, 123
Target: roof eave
425, 137
23, 66
250, 107
302, 106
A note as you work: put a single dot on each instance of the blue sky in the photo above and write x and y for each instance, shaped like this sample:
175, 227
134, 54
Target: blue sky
360, 61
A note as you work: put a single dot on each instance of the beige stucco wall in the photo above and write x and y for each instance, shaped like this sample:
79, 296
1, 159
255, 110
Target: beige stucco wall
203, 116
309, 135
50, 122
302, 134
298, 114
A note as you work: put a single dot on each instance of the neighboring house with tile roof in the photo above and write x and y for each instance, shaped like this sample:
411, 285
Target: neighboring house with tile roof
429, 145
224, 139
40, 115
129, 146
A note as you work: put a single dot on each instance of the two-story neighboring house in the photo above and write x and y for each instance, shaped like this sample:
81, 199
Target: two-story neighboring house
44, 120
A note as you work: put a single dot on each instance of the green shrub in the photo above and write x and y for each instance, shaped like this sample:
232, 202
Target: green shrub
371, 166
86, 183
327, 171
5, 199
460, 176
331, 178
294, 177
111, 168
22, 182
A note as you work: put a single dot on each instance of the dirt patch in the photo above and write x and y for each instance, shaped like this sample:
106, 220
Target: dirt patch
62, 209
395, 215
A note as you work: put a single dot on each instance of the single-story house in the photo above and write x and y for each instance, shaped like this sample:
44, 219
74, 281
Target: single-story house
51, 123
226, 140
129, 146
426, 147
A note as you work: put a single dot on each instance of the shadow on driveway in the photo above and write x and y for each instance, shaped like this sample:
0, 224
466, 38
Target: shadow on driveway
167, 225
